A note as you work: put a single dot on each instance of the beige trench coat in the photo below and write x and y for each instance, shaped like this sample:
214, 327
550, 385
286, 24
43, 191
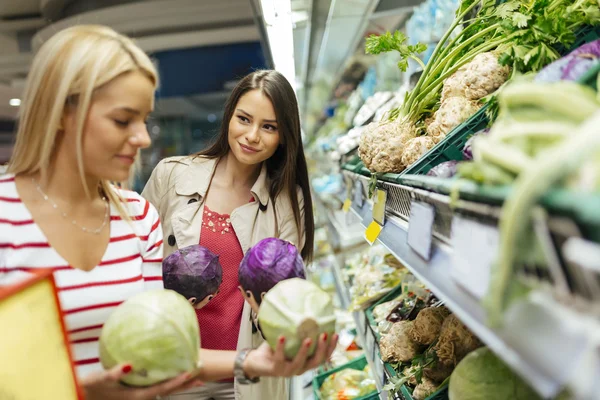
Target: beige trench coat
177, 188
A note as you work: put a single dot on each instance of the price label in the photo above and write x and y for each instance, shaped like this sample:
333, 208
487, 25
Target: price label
347, 205
475, 249
372, 232
376, 226
358, 194
380, 199
420, 228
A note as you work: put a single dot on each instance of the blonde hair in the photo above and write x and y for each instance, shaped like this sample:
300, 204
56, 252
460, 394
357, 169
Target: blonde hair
68, 69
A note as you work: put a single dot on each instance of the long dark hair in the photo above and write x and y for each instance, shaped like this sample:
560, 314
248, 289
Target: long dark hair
287, 167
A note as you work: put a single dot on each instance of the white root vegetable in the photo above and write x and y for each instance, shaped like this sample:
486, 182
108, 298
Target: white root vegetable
454, 86
453, 112
397, 345
415, 148
483, 76
381, 146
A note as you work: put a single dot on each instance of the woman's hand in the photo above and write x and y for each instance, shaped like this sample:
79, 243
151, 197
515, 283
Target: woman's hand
105, 386
266, 362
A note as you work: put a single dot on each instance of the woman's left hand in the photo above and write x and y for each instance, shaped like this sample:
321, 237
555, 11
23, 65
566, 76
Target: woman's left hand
266, 362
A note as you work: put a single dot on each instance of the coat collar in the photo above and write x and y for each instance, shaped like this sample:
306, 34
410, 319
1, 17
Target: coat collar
197, 176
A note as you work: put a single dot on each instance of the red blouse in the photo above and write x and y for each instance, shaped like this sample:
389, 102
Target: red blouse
220, 319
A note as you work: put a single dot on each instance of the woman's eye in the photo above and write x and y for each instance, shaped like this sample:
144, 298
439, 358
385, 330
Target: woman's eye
243, 119
270, 127
122, 124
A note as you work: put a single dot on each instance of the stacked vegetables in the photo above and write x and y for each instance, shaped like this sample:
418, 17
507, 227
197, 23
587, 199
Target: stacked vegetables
513, 36
426, 349
348, 384
373, 275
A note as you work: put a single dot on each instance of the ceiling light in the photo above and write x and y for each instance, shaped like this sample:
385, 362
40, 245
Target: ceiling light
15, 102
277, 16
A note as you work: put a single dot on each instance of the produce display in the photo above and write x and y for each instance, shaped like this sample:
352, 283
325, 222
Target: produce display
372, 276
520, 80
296, 309
482, 375
193, 272
348, 384
156, 332
487, 44
267, 263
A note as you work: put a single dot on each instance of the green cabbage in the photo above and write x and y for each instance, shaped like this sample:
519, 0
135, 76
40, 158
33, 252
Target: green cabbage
481, 375
156, 332
296, 309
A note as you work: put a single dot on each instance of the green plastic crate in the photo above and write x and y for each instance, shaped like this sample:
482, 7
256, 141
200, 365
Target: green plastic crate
359, 363
406, 393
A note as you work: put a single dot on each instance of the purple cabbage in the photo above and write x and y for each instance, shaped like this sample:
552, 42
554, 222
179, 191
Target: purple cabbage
267, 263
447, 169
572, 66
467, 151
193, 271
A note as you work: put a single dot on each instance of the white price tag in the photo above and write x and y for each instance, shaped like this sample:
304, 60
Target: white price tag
420, 228
475, 248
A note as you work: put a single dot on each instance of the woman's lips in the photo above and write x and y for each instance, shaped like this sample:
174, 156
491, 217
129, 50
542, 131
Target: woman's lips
127, 159
248, 149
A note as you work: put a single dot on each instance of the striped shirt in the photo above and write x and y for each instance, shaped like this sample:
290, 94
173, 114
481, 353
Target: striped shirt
131, 264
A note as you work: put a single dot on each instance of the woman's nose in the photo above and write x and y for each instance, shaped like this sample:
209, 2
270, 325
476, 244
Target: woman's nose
141, 138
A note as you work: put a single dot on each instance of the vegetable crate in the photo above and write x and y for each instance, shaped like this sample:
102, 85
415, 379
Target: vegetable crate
406, 394
358, 364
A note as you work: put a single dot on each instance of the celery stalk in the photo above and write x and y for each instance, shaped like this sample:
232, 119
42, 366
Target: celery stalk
549, 168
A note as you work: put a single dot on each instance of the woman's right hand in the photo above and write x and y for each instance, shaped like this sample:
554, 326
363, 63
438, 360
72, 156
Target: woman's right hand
263, 361
106, 385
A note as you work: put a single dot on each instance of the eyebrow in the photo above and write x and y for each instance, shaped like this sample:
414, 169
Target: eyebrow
250, 115
132, 110
129, 110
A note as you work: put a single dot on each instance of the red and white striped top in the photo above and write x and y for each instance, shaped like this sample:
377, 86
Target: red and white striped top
131, 264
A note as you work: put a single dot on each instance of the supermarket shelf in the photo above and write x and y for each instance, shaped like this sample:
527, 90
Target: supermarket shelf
547, 344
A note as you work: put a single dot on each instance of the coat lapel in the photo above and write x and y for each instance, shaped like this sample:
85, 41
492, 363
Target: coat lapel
192, 183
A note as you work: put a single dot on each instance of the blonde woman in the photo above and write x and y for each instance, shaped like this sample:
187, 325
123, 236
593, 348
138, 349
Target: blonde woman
81, 126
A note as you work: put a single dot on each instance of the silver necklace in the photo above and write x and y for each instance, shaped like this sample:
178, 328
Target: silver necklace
65, 215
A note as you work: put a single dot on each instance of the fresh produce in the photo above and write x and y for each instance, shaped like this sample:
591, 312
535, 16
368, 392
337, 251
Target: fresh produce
193, 272
524, 36
528, 146
415, 148
467, 151
348, 384
296, 309
447, 169
156, 332
397, 345
382, 143
268, 262
424, 389
572, 66
452, 112
455, 341
481, 375
428, 325
374, 278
